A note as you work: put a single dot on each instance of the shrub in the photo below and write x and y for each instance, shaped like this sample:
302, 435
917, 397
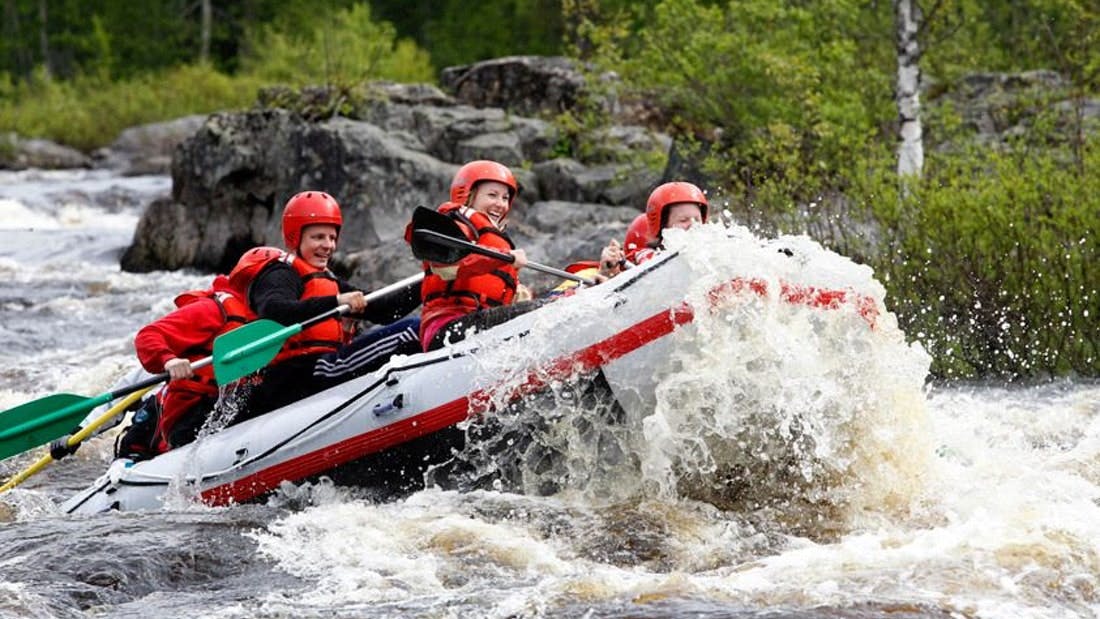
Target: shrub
90, 111
991, 259
345, 48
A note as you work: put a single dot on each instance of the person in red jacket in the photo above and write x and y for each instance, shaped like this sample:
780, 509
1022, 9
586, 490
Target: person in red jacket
478, 291
671, 205
296, 285
170, 344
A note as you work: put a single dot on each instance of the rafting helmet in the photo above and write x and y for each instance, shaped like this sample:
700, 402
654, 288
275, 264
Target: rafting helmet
249, 266
469, 175
306, 209
666, 195
636, 236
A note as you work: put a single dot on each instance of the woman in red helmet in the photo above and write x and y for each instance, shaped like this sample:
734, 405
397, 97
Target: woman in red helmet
295, 285
478, 291
672, 205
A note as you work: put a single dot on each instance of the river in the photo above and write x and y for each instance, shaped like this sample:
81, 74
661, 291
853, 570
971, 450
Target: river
951, 500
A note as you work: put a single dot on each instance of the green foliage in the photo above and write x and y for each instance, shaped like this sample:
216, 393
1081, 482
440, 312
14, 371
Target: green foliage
787, 108
990, 260
343, 48
780, 111
459, 32
968, 35
90, 111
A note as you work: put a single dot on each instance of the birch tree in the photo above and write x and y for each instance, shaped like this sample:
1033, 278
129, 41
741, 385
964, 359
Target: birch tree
907, 19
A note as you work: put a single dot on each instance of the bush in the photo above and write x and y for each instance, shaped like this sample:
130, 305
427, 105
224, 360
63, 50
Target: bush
90, 111
343, 49
786, 110
991, 259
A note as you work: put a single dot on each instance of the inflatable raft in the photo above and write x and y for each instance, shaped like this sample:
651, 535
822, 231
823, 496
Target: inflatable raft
408, 414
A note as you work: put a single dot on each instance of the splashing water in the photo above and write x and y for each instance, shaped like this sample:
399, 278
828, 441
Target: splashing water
801, 415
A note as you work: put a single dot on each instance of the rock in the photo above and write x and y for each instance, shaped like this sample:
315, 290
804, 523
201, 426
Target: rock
526, 85
17, 153
999, 107
398, 148
231, 179
147, 149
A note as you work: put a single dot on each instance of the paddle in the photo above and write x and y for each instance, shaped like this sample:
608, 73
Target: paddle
38, 422
437, 238
236, 353
77, 438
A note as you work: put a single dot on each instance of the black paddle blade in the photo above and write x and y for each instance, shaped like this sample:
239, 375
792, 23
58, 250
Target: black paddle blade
426, 246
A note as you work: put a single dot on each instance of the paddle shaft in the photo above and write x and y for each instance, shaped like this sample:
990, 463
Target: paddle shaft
82, 406
442, 239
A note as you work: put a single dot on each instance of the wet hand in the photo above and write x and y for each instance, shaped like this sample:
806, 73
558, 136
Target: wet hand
611, 259
520, 258
178, 368
355, 300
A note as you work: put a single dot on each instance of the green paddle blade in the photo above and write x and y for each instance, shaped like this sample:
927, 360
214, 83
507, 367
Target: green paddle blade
246, 349
36, 423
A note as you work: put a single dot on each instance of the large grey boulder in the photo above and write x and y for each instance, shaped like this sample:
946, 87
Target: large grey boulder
232, 178
400, 150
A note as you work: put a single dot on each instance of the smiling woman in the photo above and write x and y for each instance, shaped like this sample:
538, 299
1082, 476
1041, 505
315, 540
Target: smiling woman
477, 290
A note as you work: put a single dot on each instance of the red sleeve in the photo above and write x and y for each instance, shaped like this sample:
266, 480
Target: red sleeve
172, 336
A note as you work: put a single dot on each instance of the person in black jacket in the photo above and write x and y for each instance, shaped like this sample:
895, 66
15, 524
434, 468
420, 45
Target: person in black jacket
293, 286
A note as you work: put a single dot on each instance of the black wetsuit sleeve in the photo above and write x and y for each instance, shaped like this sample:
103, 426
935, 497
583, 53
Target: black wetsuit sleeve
276, 295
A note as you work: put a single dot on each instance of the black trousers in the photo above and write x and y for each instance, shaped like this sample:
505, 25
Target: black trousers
298, 377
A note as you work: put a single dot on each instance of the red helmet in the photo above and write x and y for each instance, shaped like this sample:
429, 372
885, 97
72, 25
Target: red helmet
475, 172
306, 209
667, 195
249, 265
636, 236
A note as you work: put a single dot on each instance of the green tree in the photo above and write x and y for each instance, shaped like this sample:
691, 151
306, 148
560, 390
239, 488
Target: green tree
343, 48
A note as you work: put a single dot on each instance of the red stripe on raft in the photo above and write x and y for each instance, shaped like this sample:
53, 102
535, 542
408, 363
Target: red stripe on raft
455, 411
798, 295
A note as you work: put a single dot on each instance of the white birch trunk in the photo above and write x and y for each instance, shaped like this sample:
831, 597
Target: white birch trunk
910, 148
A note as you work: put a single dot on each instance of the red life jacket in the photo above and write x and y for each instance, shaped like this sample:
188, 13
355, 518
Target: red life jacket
235, 312
319, 338
180, 396
472, 293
